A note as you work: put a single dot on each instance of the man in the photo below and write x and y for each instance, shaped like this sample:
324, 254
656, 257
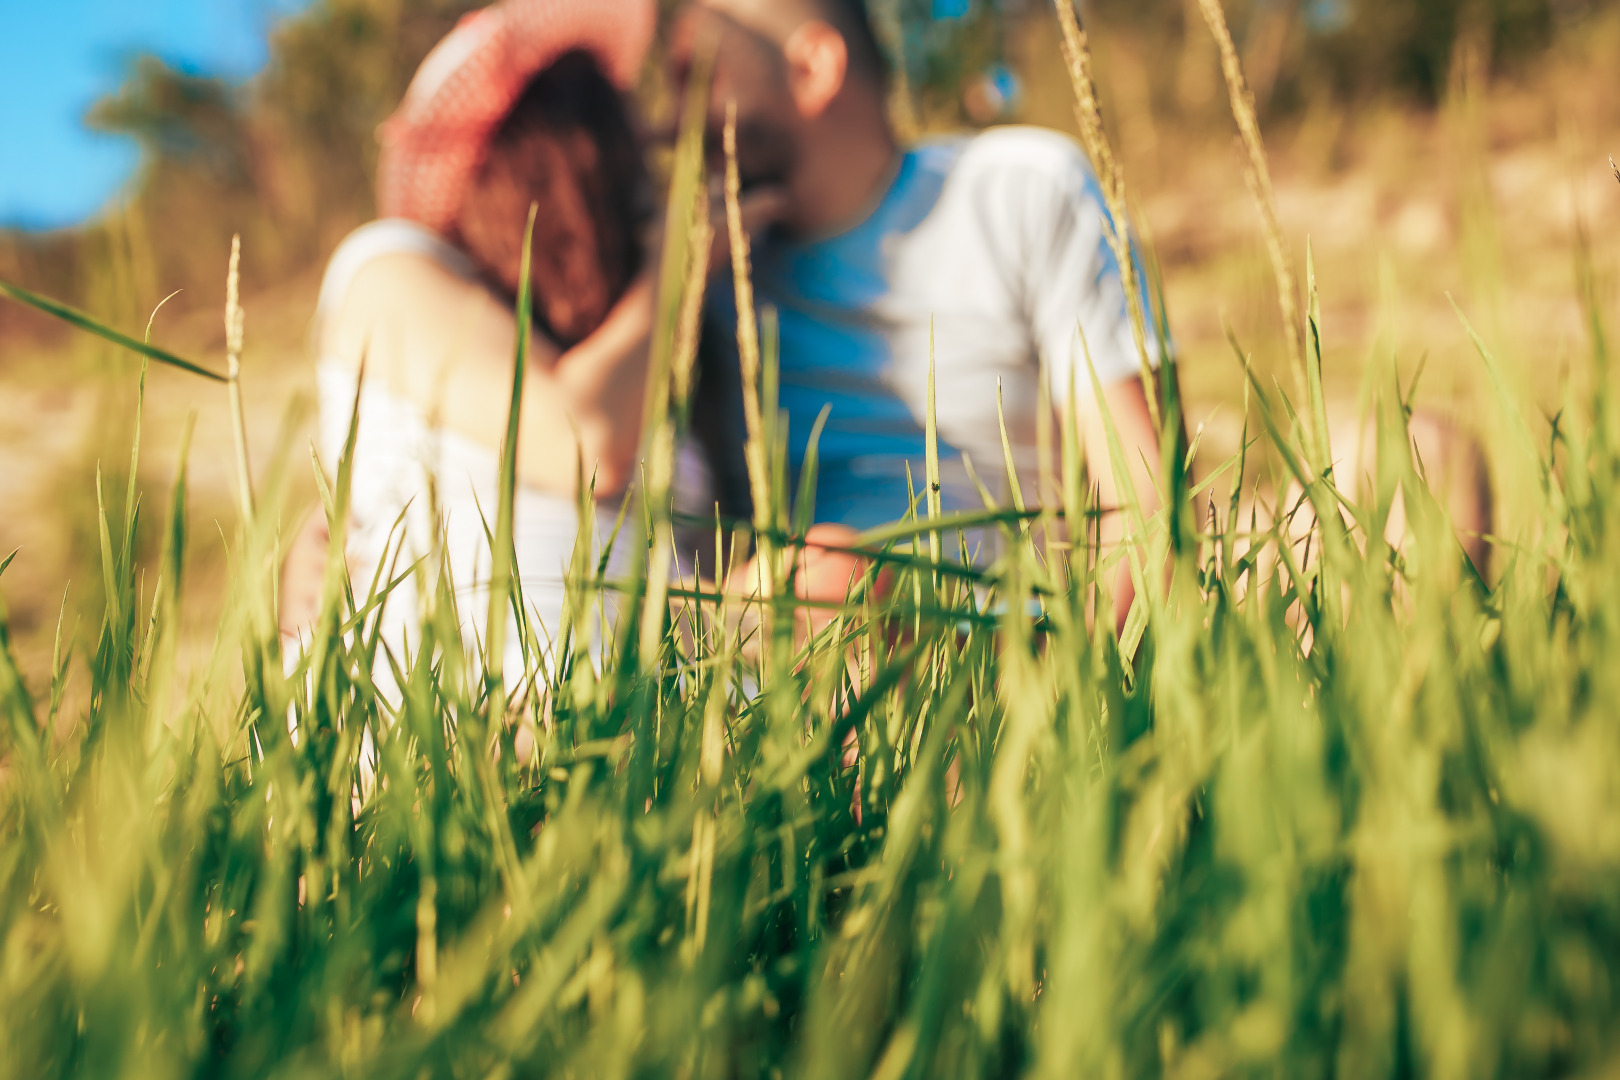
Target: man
987, 252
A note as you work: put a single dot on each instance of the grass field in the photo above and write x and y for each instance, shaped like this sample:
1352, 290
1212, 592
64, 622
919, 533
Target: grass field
1348, 811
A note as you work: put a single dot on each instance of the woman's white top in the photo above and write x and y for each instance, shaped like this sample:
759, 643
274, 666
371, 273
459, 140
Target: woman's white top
411, 479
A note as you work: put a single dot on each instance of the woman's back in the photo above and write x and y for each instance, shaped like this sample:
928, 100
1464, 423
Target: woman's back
514, 135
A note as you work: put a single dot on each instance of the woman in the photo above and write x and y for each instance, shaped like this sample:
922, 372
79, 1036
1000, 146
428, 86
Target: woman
521, 105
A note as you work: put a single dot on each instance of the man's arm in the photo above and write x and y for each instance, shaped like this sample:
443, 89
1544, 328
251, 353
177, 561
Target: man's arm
1080, 320
1127, 406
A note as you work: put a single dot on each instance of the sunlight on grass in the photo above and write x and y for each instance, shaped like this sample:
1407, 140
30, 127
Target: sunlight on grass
1329, 806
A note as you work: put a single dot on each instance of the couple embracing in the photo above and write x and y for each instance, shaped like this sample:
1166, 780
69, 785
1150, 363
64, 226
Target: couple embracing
988, 253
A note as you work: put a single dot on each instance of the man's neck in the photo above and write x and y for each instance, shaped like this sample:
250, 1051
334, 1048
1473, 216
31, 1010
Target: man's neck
848, 162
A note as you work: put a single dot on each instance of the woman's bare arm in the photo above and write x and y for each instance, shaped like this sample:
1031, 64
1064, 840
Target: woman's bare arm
447, 344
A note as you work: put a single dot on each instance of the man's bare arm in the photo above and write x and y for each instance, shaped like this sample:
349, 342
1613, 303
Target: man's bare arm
1128, 408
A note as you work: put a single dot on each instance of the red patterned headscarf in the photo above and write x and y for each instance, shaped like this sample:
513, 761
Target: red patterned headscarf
433, 146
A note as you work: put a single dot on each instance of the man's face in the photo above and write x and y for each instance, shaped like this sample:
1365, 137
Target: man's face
749, 70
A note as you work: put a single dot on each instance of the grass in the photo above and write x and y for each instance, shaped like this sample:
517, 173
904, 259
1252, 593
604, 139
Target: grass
1352, 815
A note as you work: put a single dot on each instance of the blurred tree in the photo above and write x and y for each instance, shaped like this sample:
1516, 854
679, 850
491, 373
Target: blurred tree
1293, 50
178, 116
1364, 48
197, 183
335, 75
944, 50
287, 161
1351, 50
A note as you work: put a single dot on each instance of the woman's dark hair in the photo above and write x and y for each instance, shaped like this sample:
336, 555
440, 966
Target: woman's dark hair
568, 145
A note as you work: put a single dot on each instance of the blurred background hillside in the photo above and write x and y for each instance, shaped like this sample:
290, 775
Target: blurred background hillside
1428, 148
287, 159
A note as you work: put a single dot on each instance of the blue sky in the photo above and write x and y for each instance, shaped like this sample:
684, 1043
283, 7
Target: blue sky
58, 56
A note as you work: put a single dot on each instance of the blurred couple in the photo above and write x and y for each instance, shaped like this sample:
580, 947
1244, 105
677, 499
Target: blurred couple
987, 253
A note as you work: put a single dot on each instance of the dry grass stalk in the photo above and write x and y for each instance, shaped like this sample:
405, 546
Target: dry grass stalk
1258, 175
234, 320
701, 239
1111, 177
661, 441
747, 327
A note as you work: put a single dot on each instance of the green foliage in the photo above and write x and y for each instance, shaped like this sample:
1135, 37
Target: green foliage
1327, 807
1408, 47
84, 322
174, 115
1302, 51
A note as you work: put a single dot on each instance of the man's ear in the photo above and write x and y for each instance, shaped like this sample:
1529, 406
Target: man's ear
817, 64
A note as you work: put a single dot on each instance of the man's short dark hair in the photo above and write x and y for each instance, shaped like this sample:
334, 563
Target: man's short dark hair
852, 19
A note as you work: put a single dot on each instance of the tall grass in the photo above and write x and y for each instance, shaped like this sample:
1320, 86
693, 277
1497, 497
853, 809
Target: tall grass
1352, 814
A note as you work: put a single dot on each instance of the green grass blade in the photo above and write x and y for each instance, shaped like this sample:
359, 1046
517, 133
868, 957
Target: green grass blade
502, 552
90, 325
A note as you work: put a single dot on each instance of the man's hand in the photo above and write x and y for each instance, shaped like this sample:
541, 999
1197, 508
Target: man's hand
1127, 406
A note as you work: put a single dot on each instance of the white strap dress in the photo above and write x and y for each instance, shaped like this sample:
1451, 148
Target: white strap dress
413, 480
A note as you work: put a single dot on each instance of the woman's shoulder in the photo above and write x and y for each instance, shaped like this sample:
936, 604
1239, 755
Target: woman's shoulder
388, 257
409, 285
390, 241
394, 287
